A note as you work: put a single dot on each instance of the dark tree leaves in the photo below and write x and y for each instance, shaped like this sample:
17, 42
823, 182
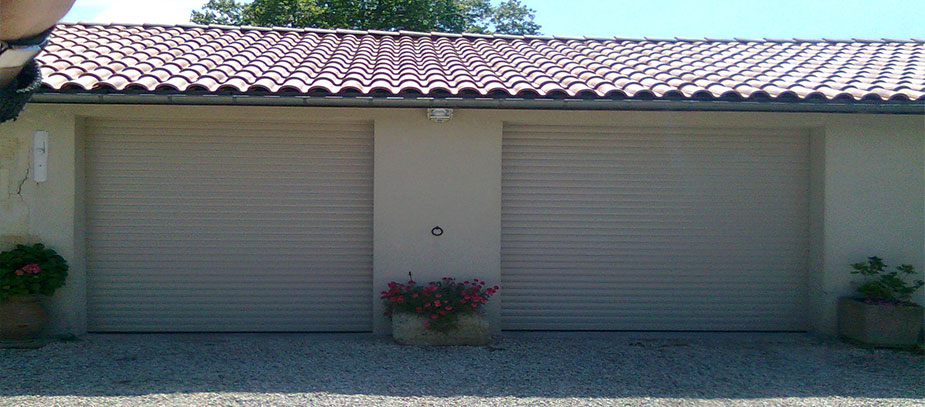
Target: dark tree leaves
226, 12
509, 17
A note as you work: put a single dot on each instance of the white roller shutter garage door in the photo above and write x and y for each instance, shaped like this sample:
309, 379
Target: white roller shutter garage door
229, 226
633, 229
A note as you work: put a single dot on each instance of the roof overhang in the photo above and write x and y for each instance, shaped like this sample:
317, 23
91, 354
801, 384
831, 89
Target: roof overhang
479, 103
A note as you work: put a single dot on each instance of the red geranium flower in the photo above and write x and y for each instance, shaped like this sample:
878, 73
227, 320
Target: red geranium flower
450, 298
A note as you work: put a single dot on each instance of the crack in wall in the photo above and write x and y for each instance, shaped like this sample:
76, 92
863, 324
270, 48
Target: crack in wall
21, 183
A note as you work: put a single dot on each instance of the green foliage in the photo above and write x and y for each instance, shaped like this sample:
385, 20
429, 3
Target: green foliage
509, 17
228, 12
31, 270
881, 285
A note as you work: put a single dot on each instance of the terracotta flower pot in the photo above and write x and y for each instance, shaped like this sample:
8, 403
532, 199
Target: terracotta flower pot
410, 329
21, 318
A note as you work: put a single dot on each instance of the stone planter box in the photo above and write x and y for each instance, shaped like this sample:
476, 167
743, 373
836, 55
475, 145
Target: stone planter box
883, 325
408, 329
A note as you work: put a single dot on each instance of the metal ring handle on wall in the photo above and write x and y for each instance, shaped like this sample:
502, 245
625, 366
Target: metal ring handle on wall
437, 231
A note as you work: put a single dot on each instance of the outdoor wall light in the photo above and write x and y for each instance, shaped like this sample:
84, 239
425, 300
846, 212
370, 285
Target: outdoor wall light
40, 156
439, 114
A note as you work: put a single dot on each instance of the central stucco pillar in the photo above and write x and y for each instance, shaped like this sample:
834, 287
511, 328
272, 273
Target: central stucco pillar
436, 174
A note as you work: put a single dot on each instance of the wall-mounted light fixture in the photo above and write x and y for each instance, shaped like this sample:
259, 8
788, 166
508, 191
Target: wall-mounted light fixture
40, 156
439, 114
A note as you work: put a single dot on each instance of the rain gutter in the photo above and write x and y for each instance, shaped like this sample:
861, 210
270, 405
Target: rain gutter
915, 107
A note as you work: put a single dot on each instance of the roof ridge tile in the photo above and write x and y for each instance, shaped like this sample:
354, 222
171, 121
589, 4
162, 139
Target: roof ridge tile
481, 35
223, 27
350, 31
319, 30
385, 33
476, 35
413, 33
255, 28
288, 29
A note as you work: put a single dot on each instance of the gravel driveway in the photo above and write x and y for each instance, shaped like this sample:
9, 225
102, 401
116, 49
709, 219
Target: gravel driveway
519, 369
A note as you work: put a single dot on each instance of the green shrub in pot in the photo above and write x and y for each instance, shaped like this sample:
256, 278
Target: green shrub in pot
884, 286
882, 312
31, 270
27, 272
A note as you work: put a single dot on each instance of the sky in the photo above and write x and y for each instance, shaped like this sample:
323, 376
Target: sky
636, 18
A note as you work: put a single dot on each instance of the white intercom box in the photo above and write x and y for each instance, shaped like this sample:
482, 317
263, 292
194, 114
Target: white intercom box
40, 156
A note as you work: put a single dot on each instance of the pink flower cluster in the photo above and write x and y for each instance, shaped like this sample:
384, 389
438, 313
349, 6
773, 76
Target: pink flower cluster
437, 299
28, 269
394, 294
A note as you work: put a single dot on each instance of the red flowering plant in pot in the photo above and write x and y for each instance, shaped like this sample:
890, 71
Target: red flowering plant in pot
27, 272
440, 312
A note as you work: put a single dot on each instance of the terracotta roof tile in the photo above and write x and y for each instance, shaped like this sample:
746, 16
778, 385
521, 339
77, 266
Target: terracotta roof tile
196, 58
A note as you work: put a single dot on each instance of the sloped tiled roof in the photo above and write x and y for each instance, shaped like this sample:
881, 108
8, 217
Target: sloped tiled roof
196, 59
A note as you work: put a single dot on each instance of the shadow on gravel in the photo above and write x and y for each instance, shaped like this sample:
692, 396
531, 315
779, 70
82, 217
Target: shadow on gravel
133, 365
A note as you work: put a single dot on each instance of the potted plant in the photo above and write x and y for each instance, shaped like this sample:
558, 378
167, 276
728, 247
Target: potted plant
882, 313
27, 273
444, 312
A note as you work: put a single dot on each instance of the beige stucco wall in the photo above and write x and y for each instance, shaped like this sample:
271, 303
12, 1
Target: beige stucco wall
867, 188
45, 211
874, 193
